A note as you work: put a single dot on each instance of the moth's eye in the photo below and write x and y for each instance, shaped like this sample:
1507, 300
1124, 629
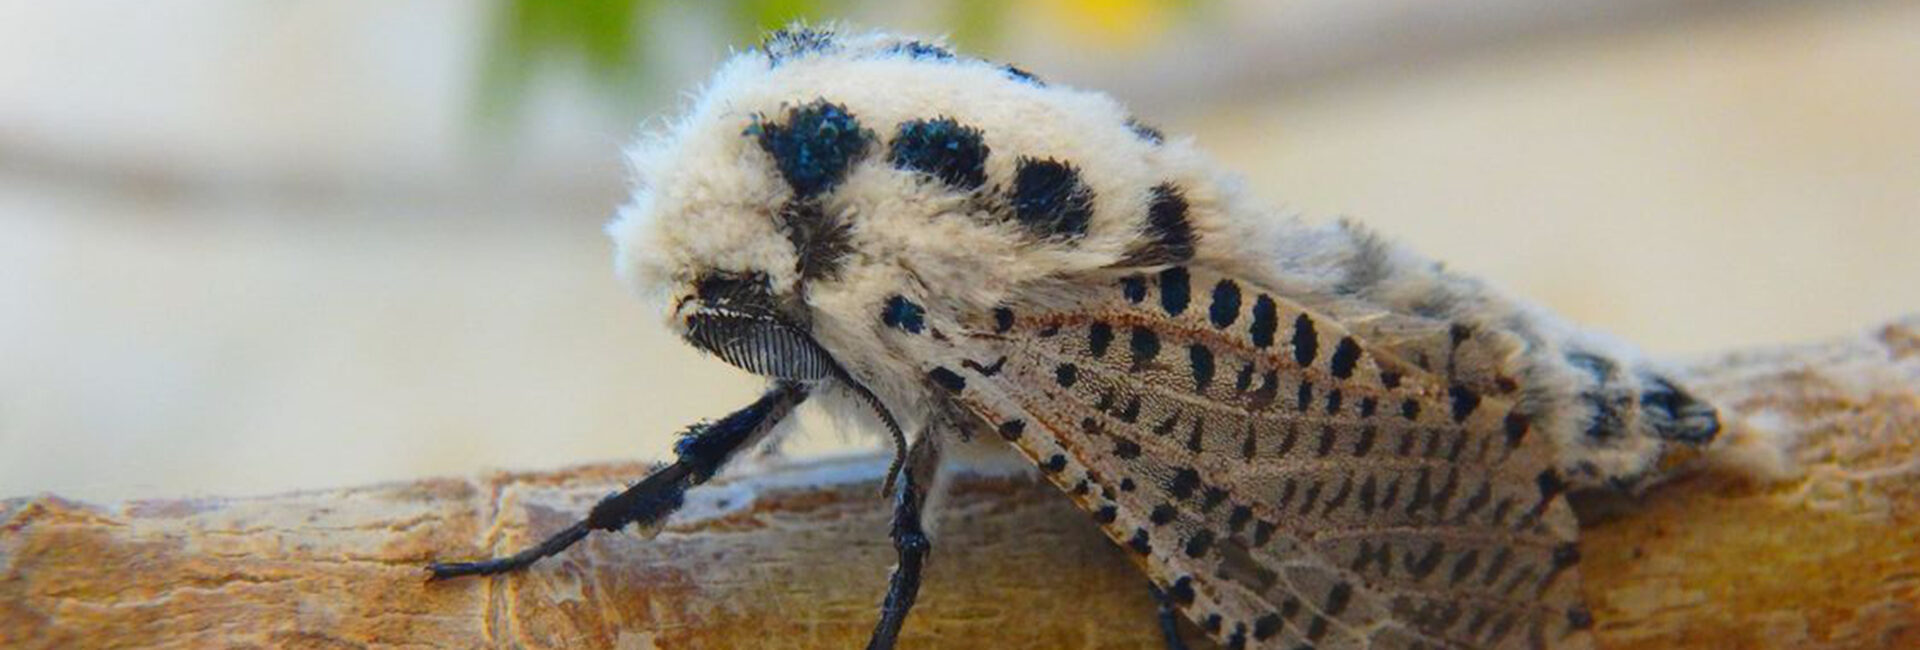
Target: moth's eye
734, 290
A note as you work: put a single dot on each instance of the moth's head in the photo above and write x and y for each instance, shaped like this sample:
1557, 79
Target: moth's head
822, 174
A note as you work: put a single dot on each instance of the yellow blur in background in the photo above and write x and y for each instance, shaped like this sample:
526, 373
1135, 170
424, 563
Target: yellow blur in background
250, 247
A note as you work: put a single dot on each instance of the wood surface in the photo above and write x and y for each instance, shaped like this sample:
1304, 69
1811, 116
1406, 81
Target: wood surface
1799, 529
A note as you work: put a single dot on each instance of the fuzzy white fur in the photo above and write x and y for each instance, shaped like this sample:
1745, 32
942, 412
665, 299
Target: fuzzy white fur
706, 197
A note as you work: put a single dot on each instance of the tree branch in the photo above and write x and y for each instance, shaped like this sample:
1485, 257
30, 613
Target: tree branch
1825, 555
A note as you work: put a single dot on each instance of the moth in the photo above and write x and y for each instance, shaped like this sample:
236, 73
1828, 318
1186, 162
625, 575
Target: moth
1304, 435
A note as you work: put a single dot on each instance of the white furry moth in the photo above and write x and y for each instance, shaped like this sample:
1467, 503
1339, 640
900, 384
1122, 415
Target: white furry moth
1307, 437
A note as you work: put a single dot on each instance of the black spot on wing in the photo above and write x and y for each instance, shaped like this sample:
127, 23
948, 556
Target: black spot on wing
1185, 481
1049, 198
1012, 429
1550, 484
1238, 518
1134, 287
1345, 355
1140, 542
1516, 427
1182, 591
947, 379
814, 146
943, 149
1464, 402
1099, 336
1175, 290
1266, 627
1199, 543
1225, 308
1145, 345
1579, 618
1201, 358
1264, 322
1306, 342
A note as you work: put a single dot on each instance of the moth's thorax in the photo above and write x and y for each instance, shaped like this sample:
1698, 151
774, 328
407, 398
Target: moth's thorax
879, 166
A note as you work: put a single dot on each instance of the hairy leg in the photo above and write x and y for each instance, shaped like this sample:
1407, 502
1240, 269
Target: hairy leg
1169, 617
909, 539
702, 450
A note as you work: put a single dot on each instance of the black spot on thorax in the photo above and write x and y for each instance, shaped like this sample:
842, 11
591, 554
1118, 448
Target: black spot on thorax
1049, 198
1017, 74
923, 51
1145, 131
943, 149
815, 147
796, 42
1168, 236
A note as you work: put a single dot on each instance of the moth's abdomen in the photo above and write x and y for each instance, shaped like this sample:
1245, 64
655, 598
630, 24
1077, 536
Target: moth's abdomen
1283, 482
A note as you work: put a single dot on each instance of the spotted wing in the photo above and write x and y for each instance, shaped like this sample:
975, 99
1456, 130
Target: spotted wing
1287, 484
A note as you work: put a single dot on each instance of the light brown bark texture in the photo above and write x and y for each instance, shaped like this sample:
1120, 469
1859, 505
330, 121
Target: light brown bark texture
1827, 554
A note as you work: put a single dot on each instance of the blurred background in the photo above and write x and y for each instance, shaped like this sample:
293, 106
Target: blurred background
250, 246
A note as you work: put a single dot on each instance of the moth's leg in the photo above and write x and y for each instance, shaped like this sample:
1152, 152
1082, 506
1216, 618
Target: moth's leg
1169, 618
702, 450
909, 539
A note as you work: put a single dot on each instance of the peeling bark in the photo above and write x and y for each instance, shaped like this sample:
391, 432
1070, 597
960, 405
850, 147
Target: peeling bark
1824, 553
